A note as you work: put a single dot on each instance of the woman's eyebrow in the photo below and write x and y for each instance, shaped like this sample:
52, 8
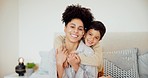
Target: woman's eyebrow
75, 25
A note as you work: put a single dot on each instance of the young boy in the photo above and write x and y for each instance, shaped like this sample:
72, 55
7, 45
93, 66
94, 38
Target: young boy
92, 37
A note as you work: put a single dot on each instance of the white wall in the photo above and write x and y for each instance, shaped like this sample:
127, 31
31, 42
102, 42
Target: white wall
8, 36
28, 26
40, 19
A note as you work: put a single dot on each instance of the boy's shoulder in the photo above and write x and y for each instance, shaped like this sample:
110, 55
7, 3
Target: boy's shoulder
96, 45
60, 36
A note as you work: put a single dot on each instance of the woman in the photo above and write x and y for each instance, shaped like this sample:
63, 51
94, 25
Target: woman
76, 19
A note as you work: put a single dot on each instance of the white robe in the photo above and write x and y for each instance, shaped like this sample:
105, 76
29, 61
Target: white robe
84, 71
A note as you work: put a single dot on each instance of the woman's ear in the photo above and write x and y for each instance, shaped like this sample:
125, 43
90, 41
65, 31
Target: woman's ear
65, 29
84, 35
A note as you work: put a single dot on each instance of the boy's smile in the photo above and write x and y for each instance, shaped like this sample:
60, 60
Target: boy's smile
92, 37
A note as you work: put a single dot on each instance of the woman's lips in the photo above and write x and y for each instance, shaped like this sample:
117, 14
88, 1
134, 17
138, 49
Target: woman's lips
74, 36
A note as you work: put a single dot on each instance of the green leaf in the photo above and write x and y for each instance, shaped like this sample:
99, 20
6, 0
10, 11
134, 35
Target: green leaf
30, 65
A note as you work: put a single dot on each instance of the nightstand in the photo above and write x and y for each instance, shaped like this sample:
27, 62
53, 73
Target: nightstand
15, 75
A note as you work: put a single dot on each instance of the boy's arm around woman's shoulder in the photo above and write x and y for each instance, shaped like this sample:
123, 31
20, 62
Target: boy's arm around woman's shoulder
95, 59
58, 41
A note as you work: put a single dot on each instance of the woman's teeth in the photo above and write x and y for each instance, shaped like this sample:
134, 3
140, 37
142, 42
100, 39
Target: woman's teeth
74, 35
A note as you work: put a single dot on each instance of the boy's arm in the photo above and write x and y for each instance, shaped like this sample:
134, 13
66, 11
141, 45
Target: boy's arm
58, 41
95, 59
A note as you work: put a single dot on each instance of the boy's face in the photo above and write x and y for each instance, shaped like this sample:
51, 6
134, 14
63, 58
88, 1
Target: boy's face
92, 37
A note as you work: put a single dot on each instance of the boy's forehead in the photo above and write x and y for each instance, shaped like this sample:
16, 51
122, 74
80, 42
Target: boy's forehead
96, 32
93, 30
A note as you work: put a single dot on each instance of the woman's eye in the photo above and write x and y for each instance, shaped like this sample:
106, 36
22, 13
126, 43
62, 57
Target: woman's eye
80, 29
72, 26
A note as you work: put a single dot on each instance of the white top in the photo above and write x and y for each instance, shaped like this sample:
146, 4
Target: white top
84, 71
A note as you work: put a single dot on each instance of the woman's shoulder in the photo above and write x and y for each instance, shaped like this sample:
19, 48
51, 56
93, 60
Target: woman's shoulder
84, 48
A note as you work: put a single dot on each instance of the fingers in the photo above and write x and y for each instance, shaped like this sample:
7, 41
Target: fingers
62, 49
73, 52
78, 58
65, 64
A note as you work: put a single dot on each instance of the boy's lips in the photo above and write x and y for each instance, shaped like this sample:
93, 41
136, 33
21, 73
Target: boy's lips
89, 42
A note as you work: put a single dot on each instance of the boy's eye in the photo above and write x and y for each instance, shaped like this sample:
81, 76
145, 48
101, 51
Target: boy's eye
90, 34
97, 38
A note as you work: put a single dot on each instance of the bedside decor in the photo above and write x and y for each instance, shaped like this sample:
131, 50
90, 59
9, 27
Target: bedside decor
30, 68
20, 68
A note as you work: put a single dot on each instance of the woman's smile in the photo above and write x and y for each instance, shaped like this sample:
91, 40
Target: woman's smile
74, 30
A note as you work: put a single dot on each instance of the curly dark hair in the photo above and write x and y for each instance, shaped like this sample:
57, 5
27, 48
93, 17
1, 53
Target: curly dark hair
98, 26
76, 11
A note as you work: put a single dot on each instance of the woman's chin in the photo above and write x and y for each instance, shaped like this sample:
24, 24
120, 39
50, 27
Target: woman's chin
74, 40
88, 44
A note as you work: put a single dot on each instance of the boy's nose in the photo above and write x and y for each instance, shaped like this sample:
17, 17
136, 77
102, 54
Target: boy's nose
92, 39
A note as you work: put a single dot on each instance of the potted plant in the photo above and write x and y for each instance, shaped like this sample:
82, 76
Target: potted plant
30, 68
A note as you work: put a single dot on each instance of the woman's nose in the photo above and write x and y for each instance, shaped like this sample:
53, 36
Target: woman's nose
76, 30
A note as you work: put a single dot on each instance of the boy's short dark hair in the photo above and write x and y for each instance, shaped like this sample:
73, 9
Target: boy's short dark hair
99, 26
76, 11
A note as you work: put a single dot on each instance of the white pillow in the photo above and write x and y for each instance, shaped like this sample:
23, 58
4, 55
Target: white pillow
44, 64
143, 65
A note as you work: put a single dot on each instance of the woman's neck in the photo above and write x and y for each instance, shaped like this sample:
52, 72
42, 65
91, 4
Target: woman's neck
71, 46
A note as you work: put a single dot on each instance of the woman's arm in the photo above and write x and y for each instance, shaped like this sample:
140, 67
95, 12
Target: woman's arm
61, 55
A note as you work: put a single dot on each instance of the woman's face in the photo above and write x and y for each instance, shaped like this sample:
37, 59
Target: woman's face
74, 30
92, 37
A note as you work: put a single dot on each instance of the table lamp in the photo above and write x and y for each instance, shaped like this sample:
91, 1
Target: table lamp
20, 68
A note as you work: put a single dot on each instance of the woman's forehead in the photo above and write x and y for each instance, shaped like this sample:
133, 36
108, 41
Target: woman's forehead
76, 22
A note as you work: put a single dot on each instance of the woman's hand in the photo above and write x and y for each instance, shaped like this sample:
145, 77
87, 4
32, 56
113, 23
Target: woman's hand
61, 55
65, 65
74, 60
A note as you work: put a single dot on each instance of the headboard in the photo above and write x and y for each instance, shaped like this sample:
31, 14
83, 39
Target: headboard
122, 40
